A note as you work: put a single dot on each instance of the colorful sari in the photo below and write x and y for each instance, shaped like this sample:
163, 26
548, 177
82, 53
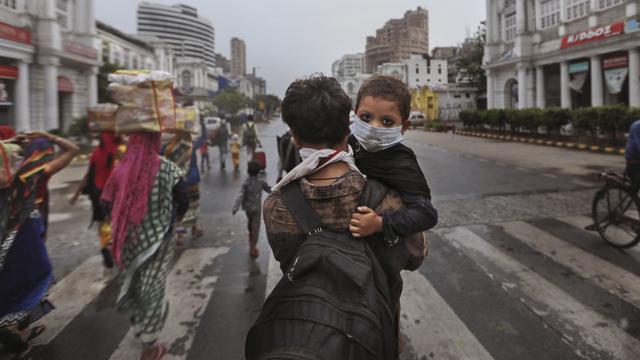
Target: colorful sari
25, 268
146, 250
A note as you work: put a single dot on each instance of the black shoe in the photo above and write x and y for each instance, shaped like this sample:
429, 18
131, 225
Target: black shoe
106, 258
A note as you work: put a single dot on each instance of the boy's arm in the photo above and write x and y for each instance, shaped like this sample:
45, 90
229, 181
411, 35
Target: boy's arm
266, 187
236, 205
418, 215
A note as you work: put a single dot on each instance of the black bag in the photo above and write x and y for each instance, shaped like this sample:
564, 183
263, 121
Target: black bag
332, 303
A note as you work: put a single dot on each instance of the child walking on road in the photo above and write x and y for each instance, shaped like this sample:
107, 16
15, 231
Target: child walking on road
251, 200
235, 146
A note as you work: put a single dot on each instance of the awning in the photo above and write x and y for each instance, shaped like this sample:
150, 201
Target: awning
577, 82
65, 84
8, 72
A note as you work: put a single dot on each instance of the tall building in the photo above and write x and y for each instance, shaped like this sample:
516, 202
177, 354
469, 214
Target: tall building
223, 63
49, 63
398, 39
562, 53
189, 35
123, 50
238, 57
348, 65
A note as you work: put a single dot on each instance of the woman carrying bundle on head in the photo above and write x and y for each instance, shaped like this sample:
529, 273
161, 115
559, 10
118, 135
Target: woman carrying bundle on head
25, 268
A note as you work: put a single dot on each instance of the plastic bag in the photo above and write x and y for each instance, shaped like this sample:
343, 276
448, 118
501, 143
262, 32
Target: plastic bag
102, 117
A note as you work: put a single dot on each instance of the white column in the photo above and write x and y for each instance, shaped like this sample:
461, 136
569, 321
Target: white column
92, 84
51, 119
565, 91
23, 118
490, 22
540, 88
522, 87
634, 78
521, 16
597, 90
490, 94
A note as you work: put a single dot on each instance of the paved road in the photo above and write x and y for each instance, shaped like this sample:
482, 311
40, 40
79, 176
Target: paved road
510, 275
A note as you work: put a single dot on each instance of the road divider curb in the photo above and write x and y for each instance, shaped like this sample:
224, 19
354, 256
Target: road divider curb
561, 144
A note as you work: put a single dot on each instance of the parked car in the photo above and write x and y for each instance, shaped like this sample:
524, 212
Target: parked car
212, 125
416, 119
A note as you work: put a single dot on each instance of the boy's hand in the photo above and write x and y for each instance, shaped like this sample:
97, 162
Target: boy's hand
365, 222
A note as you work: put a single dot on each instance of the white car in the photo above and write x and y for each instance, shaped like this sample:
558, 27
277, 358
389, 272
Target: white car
416, 119
212, 123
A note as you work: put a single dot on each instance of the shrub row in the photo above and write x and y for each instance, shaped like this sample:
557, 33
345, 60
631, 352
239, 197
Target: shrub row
612, 120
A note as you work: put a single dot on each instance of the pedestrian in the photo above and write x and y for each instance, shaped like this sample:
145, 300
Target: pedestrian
205, 163
632, 155
250, 136
146, 196
235, 145
328, 187
181, 150
25, 269
101, 163
250, 199
222, 140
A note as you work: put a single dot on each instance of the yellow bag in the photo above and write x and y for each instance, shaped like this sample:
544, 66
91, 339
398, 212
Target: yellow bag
102, 117
186, 121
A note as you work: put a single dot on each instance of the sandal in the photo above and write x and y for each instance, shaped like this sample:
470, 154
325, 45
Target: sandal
159, 350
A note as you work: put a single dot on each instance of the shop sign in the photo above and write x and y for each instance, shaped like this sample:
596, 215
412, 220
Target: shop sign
580, 67
615, 62
80, 49
595, 34
16, 34
632, 26
8, 72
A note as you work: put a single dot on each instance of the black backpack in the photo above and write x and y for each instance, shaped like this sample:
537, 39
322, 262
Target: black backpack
332, 303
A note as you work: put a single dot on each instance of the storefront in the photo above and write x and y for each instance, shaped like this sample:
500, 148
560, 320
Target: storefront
16, 52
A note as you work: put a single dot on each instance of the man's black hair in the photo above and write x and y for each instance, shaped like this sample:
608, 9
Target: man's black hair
253, 168
317, 111
250, 118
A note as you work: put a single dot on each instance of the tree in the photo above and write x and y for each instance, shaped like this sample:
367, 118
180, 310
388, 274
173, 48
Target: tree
271, 103
230, 101
103, 81
470, 62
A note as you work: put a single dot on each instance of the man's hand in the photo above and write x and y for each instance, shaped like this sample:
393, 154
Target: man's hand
365, 222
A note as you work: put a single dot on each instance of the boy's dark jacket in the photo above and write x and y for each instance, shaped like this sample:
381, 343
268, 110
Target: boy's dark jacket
398, 168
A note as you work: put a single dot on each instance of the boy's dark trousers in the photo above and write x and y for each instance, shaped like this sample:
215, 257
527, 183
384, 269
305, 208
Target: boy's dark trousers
253, 224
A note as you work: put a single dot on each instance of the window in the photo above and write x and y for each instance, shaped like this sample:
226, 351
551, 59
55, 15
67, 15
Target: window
135, 62
63, 13
10, 4
577, 8
417, 70
186, 78
510, 27
605, 4
549, 13
351, 88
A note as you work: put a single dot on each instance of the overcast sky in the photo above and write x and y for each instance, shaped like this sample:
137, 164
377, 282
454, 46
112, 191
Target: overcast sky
287, 39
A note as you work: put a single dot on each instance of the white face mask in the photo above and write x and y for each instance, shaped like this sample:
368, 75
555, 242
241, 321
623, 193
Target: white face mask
375, 139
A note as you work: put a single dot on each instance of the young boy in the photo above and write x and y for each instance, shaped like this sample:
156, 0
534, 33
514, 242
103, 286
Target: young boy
251, 200
381, 118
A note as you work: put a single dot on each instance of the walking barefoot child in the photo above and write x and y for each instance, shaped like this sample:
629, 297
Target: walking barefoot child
251, 200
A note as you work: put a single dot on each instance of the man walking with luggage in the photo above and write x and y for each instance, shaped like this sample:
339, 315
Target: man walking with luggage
316, 199
250, 137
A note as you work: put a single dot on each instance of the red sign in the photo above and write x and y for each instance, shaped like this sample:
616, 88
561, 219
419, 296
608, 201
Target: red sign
8, 72
82, 50
615, 62
595, 34
16, 34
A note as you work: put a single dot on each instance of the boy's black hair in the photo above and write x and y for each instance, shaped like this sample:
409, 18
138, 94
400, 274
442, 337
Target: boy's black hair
249, 117
253, 168
390, 89
317, 110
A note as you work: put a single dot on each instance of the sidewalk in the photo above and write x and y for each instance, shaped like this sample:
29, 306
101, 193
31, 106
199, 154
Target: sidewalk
565, 161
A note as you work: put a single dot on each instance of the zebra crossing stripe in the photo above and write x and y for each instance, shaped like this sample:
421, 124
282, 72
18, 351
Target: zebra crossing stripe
431, 326
611, 278
579, 325
189, 291
71, 295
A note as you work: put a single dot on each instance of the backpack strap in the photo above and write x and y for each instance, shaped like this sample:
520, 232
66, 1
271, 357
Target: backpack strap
299, 207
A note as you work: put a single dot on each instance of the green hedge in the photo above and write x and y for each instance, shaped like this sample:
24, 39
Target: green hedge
613, 120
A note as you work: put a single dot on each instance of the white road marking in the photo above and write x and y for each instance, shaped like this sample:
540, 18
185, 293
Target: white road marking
274, 275
601, 273
58, 217
582, 183
577, 323
71, 295
189, 292
522, 169
551, 176
583, 221
432, 327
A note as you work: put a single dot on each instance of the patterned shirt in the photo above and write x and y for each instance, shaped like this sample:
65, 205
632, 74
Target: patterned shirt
251, 194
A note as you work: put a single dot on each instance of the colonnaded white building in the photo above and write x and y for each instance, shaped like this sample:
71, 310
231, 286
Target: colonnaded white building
562, 53
49, 59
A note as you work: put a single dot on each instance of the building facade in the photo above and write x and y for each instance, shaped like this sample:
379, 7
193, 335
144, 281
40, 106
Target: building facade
562, 53
398, 39
348, 65
124, 50
223, 63
49, 59
189, 35
425, 71
238, 57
